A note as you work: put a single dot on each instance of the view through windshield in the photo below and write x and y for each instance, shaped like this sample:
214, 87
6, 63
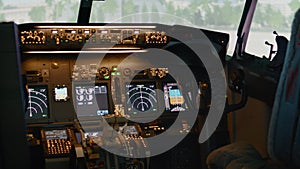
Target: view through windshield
270, 15
218, 15
215, 15
207, 14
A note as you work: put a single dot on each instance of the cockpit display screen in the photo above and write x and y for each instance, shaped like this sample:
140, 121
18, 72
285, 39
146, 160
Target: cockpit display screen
130, 130
61, 93
38, 103
141, 97
90, 96
174, 100
56, 134
95, 134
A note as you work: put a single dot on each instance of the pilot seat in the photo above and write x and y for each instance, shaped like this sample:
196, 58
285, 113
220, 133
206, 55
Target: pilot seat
284, 128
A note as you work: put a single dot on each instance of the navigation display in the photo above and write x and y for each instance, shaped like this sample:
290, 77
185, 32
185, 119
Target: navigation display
173, 97
141, 97
88, 97
37, 107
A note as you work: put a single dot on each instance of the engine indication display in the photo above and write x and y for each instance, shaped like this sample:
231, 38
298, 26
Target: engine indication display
89, 95
141, 97
37, 102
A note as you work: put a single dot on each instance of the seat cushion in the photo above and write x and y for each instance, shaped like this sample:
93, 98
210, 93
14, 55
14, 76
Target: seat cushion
234, 154
247, 162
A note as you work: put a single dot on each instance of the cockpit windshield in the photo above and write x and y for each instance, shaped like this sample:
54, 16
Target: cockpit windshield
218, 15
269, 16
21, 11
207, 14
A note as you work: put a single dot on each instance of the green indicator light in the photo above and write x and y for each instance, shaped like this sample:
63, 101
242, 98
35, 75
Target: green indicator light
118, 73
106, 77
113, 73
44, 115
114, 68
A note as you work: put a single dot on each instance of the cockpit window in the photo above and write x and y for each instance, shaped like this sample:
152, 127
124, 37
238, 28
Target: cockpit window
21, 11
269, 16
207, 14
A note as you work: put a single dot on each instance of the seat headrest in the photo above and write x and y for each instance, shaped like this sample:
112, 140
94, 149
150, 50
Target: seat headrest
284, 129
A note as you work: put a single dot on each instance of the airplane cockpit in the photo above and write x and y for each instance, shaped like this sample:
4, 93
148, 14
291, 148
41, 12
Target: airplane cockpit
123, 84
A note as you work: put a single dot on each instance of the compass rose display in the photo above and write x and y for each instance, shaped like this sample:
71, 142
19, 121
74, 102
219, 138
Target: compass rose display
37, 102
141, 97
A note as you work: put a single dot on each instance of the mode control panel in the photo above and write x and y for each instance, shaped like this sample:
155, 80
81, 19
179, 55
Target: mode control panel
92, 38
73, 37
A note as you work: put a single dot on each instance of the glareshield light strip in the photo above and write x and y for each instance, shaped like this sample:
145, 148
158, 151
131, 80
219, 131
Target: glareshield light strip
95, 51
90, 27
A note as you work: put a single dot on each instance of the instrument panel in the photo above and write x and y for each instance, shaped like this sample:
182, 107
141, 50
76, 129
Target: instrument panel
134, 76
108, 70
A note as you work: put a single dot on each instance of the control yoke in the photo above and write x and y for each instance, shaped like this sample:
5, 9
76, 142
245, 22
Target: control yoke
237, 84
